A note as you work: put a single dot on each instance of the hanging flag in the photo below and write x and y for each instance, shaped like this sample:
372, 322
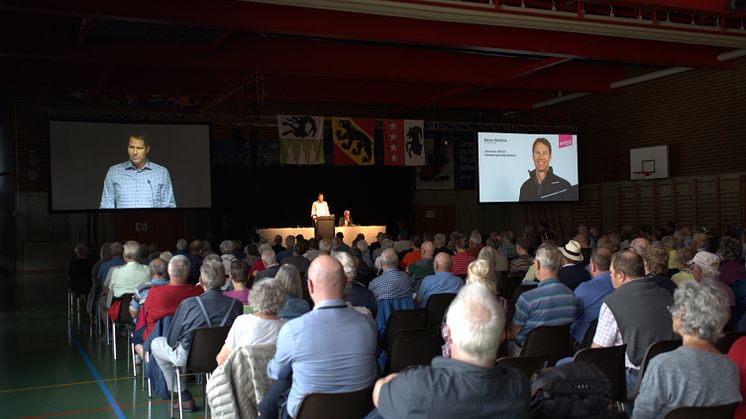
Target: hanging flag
301, 139
353, 141
403, 142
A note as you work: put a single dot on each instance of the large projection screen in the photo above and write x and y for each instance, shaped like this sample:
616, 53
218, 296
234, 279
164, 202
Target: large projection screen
512, 169
81, 154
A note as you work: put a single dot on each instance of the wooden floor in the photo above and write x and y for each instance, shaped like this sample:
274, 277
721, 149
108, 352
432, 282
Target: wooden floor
55, 367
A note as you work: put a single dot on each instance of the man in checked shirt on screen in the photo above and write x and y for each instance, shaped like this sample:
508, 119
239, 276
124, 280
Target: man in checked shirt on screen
138, 182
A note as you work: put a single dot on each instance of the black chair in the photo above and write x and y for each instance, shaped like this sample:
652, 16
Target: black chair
206, 344
355, 404
552, 339
508, 284
403, 319
727, 340
413, 347
437, 305
588, 336
611, 362
123, 319
526, 364
725, 411
655, 348
521, 289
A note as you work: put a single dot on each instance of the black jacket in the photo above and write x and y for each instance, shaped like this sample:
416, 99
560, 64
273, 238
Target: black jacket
553, 188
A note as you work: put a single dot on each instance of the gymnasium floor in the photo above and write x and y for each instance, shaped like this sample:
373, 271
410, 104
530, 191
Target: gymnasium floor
54, 368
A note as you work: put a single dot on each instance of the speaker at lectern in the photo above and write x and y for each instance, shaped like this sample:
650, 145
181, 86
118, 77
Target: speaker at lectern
325, 226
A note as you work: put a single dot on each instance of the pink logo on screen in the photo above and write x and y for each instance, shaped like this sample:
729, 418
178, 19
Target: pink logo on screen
565, 140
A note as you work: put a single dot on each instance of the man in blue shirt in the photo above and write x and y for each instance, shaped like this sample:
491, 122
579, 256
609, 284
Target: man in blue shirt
138, 182
549, 304
328, 350
590, 295
442, 282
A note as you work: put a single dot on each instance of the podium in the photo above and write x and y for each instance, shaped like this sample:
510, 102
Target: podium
325, 226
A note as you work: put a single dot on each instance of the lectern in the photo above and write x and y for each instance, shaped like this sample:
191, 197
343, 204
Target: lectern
325, 226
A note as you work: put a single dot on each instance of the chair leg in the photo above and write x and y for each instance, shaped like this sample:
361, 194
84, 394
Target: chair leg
173, 381
144, 368
178, 386
114, 338
108, 342
127, 348
132, 350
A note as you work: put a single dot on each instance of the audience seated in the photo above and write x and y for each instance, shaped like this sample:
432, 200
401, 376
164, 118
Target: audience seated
467, 385
737, 354
258, 264
413, 254
269, 260
498, 262
79, 270
441, 282
523, 260
705, 268
239, 284
181, 247
655, 258
295, 306
461, 260
591, 294
573, 272
392, 283
297, 259
731, 268
695, 374
228, 258
123, 279
288, 251
195, 259
357, 295
263, 324
211, 309
424, 266
116, 249
440, 244
480, 272
549, 304
683, 256
636, 313
158, 276
328, 350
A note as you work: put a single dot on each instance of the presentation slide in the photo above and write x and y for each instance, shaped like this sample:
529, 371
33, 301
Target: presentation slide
518, 167
99, 165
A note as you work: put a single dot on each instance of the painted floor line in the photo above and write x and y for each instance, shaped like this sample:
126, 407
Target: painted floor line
101, 409
97, 377
77, 383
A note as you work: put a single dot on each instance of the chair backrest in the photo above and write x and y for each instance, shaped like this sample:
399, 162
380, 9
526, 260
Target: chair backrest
437, 305
124, 309
709, 412
508, 284
724, 343
611, 362
589, 333
404, 319
552, 339
355, 404
413, 347
654, 349
521, 289
206, 344
527, 364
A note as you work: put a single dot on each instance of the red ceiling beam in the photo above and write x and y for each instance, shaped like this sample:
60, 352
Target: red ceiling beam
263, 18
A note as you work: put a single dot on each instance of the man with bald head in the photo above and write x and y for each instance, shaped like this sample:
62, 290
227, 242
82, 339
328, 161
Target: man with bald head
441, 282
330, 349
424, 266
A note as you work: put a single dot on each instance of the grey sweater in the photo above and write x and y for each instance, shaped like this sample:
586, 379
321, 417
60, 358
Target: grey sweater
686, 377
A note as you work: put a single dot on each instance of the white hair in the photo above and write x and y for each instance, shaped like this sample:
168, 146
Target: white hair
226, 246
179, 266
702, 309
476, 322
549, 257
348, 264
131, 250
269, 257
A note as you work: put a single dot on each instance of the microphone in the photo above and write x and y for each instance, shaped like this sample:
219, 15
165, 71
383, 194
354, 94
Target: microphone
152, 192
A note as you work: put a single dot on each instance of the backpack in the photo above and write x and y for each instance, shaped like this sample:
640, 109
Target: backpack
574, 390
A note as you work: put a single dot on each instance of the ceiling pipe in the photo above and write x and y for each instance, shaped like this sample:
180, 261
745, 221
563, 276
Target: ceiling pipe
736, 53
560, 99
649, 76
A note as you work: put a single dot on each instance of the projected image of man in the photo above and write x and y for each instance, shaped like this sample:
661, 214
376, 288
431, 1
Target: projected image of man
138, 182
542, 182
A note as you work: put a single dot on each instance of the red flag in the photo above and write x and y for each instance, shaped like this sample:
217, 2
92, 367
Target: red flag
393, 142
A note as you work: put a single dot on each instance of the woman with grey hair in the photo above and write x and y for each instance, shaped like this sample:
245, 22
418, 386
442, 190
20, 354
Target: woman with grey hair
295, 306
696, 374
260, 327
731, 269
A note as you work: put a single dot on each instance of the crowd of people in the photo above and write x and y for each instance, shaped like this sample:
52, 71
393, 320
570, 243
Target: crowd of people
322, 305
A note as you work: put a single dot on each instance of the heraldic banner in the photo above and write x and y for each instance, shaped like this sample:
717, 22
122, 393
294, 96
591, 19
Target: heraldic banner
353, 141
301, 139
403, 143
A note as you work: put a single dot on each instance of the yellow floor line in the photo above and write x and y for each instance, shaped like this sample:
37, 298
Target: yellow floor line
15, 390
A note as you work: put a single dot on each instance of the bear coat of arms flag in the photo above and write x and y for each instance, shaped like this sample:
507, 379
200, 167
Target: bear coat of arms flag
403, 142
301, 139
353, 141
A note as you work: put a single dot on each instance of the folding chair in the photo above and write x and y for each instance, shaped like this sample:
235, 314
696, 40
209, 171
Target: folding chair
654, 349
526, 364
413, 347
552, 339
588, 336
403, 319
124, 319
206, 344
355, 404
437, 305
611, 362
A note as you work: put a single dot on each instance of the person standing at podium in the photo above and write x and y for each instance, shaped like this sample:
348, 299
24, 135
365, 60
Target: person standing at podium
320, 208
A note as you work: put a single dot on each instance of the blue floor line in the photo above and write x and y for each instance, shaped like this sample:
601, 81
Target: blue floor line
96, 376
